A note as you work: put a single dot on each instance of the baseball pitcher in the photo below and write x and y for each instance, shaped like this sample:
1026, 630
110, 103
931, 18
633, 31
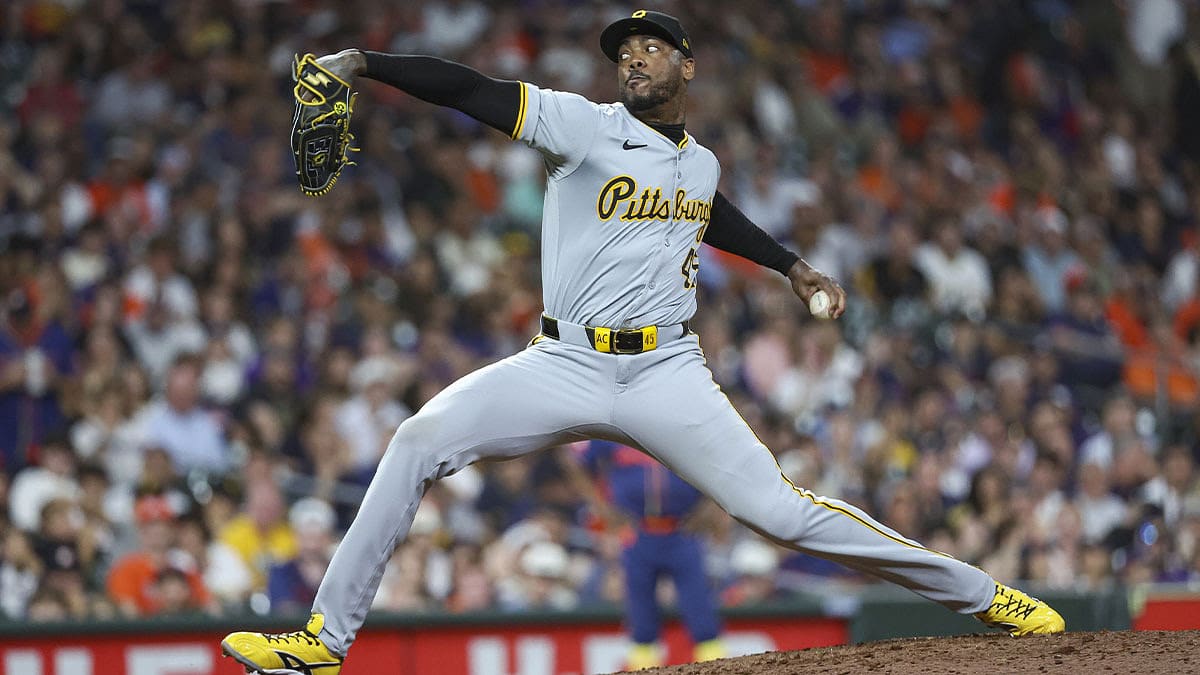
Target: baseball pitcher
630, 196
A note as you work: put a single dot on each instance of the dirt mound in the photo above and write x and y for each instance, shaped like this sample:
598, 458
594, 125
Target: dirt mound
1095, 653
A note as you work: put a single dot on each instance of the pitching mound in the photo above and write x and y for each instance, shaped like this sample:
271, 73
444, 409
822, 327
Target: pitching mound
1094, 653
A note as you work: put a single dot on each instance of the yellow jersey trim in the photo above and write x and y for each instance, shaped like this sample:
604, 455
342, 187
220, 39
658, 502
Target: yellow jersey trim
520, 125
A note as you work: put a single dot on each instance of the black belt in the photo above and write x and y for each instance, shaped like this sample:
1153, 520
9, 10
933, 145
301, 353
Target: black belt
621, 341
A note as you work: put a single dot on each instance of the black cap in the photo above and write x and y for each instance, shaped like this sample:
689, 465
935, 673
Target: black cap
645, 22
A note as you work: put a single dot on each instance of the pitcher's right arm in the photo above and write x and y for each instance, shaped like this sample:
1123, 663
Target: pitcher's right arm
559, 124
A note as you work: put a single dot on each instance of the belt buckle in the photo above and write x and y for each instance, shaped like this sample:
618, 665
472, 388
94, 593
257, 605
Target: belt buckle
644, 340
611, 341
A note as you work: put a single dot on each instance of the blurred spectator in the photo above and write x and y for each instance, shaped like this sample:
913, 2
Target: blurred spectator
191, 435
767, 198
473, 588
292, 585
1045, 488
158, 280
224, 573
175, 595
1117, 427
132, 95
958, 276
160, 340
35, 354
20, 572
823, 375
541, 581
506, 497
467, 251
261, 535
753, 564
37, 486
107, 434
1100, 510
1174, 486
63, 576
1088, 351
1047, 258
451, 25
276, 392
368, 419
48, 605
134, 581
894, 275
51, 93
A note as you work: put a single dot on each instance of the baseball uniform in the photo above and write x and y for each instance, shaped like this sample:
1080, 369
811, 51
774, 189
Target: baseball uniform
625, 211
627, 205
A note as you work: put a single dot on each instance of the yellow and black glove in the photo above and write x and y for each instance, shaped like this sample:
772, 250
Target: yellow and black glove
321, 138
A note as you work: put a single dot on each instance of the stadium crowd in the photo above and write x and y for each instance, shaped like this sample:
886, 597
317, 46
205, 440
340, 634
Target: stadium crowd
199, 367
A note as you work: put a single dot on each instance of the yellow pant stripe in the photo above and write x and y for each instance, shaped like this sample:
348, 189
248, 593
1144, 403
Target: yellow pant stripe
837, 509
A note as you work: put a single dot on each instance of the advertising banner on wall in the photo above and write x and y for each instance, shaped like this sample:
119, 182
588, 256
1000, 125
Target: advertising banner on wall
519, 649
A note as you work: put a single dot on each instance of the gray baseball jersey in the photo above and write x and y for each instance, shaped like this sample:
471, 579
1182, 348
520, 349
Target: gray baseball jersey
624, 214
625, 210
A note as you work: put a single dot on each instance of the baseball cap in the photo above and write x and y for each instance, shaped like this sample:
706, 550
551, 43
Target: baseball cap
751, 557
545, 559
311, 513
644, 22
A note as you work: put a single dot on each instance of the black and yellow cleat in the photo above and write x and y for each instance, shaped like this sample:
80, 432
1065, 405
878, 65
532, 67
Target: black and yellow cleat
296, 653
1021, 614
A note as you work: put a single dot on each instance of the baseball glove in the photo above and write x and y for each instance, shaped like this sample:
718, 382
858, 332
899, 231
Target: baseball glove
321, 138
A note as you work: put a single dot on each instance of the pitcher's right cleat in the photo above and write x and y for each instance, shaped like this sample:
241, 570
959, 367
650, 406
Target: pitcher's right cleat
1021, 614
296, 653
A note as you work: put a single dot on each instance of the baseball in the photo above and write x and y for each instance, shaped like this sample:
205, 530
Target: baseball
819, 304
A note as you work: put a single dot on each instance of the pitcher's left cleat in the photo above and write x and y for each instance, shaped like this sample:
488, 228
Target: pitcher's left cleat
296, 653
1021, 614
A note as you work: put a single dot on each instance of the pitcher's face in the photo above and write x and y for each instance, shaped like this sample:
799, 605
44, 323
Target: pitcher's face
650, 72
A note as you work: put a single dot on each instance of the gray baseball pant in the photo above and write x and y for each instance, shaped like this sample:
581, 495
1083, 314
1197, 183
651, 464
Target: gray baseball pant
662, 401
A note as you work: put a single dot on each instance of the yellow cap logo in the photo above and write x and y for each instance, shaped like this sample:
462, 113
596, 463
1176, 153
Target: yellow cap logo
685, 44
639, 14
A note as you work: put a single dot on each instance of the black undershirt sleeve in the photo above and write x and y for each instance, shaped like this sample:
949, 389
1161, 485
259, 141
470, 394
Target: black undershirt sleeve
494, 102
730, 230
